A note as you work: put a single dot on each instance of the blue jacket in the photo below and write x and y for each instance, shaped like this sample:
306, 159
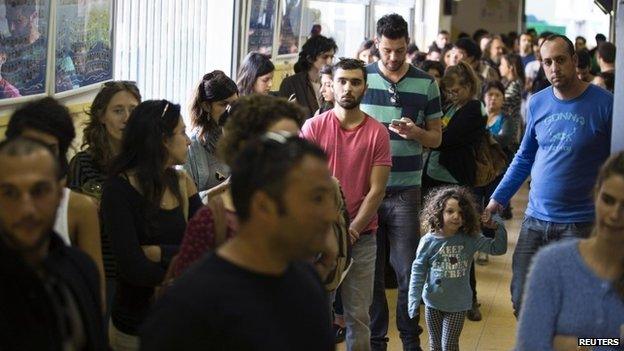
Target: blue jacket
206, 170
441, 270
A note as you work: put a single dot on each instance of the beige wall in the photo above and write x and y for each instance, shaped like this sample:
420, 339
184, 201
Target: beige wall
77, 105
497, 16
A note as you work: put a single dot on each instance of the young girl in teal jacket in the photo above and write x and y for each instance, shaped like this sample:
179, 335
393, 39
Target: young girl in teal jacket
440, 272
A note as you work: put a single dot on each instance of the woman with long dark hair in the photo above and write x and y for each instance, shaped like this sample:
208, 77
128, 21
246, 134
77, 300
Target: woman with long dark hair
213, 96
305, 84
364, 52
145, 206
327, 91
250, 117
255, 75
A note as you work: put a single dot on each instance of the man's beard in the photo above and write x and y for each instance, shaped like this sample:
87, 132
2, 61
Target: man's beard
16, 245
352, 104
399, 65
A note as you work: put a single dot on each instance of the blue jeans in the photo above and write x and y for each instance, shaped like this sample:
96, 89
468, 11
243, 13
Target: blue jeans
535, 234
357, 292
398, 222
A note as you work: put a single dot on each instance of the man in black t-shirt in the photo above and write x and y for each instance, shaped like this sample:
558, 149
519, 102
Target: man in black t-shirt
255, 292
49, 293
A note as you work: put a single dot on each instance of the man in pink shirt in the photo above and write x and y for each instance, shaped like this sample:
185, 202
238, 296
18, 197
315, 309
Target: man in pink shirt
358, 149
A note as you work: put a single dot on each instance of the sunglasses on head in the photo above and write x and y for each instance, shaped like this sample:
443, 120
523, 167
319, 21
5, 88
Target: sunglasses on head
395, 99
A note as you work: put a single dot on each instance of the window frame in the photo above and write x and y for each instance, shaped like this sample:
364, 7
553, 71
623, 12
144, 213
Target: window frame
50, 60
278, 29
94, 86
50, 84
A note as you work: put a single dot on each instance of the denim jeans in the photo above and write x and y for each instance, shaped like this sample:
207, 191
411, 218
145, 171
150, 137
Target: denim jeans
357, 293
535, 234
398, 222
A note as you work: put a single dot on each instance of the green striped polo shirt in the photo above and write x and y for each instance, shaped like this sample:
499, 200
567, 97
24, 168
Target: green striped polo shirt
419, 100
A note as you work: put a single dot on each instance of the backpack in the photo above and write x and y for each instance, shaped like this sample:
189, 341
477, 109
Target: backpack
341, 231
490, 160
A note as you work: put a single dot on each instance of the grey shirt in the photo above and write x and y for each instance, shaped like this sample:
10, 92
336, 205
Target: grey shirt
206, 170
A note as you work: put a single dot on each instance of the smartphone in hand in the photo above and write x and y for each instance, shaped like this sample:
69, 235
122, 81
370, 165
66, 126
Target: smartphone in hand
398, 123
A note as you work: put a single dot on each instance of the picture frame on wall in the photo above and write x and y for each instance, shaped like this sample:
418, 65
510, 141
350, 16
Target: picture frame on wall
84, 43
24, 42
261, 26
290, 27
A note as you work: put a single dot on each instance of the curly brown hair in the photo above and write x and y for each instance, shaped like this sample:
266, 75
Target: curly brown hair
250, 117
432, 218
95, 138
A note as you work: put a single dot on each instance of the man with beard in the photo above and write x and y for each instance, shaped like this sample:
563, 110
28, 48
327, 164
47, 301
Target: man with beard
49, 292
567, 138
258, 291
494, 51
408, 101
358, 148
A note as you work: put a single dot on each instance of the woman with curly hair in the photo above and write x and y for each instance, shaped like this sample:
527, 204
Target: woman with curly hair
108, 115
440, 272
88, 169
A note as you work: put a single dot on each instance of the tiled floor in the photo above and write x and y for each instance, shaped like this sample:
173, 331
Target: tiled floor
496, 332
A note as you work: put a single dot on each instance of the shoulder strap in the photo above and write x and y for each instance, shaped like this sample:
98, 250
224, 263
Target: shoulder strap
183, 193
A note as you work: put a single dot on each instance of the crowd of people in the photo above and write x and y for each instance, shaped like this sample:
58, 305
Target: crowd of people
275, 225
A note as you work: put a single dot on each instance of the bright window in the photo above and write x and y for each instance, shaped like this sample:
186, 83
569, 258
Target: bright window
345, 22
569, 17
166, 46
403, 8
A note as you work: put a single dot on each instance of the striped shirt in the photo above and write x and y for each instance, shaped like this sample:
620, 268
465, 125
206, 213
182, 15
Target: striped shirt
87, 177
419, 100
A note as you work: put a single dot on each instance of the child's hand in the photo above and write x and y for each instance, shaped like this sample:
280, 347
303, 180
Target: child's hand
487, 221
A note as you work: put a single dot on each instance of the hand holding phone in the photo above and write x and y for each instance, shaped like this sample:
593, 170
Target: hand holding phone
398, 123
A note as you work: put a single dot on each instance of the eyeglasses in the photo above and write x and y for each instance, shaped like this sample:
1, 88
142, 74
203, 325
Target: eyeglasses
395, 99
164, 111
